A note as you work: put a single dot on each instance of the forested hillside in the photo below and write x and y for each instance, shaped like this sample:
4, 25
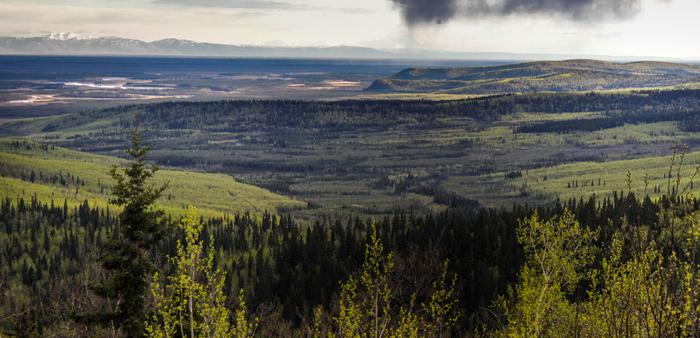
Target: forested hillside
543, 76
46, 172
286, 269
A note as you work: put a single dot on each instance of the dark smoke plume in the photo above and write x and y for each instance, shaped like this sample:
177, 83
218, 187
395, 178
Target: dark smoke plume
427, 11
438, 11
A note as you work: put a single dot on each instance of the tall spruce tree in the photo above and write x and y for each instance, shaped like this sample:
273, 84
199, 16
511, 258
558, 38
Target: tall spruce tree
125, 258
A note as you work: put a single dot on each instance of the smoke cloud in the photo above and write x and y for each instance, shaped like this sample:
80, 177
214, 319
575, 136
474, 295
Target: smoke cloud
438, 11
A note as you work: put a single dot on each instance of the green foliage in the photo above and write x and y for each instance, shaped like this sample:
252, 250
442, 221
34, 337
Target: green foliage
556, 252
646, 286
276, 260
141, 224
368, 306
286, 269
640, 278
368, 315
637, 299
442, 312
643, 282
192, 301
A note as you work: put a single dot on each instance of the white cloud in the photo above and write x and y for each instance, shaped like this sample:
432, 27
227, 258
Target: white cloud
241, 4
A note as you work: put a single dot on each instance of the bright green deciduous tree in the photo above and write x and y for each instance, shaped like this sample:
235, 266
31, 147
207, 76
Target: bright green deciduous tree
441, 311
191, 303
368, 306
556, 252
647, 295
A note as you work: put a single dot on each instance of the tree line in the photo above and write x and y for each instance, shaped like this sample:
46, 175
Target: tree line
334, 116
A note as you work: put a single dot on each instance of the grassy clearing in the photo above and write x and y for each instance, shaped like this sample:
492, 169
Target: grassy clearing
578, 180
635, 133
213, 194
561, 180
356, 196
541, 117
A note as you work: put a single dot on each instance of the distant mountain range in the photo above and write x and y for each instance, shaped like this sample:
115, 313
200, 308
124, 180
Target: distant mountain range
542, 76
78, 44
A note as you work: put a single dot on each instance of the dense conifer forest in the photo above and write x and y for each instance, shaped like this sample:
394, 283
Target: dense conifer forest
336, 116
616, 261
290, 275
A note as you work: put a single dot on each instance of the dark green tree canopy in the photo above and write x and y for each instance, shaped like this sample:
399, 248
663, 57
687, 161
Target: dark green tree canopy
141, 223
126, 257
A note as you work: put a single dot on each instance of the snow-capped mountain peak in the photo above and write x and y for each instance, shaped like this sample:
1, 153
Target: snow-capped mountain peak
78, 44
67, 36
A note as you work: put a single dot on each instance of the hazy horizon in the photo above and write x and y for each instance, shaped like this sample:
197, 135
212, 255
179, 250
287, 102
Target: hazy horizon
629, 28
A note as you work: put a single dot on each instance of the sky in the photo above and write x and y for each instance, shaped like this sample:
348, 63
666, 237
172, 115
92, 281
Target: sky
659, 28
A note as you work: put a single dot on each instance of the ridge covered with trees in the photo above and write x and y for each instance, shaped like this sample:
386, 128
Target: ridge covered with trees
541, 76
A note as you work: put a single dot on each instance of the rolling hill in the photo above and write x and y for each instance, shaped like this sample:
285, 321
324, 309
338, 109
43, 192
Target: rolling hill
543, 76
28, 169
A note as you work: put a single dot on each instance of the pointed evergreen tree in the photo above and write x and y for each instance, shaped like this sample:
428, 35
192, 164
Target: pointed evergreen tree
125, 258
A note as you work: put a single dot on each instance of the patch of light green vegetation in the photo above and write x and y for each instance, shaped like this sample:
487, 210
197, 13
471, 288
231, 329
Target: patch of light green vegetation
213, 194
524, 117
649, 176
587, 178
502, 138
357, 196
85, 128
660, 132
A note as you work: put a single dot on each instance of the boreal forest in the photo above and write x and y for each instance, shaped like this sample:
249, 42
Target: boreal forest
519, 215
